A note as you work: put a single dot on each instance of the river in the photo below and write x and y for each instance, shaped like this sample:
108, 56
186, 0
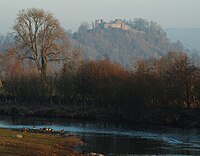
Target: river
117, 138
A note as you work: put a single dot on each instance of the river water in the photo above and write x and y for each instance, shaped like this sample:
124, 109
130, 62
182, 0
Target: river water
118, 139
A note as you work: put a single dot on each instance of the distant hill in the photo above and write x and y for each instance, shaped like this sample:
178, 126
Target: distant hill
6, 42
123, 42
190, 37
137, 39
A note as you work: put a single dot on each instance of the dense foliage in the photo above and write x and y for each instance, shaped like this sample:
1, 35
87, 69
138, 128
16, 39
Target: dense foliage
172, 81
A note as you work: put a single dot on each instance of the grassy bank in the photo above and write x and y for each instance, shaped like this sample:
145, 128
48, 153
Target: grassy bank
21, 143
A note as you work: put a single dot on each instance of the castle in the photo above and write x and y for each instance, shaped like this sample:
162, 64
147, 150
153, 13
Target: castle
117, 23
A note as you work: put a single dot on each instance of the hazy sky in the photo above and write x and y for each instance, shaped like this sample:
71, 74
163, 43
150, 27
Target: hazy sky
168, 13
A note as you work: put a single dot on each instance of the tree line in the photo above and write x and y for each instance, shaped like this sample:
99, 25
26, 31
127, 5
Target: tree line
170, 82
44, 69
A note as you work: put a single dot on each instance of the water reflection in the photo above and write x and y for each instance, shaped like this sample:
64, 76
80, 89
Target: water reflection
115, 138
123, 145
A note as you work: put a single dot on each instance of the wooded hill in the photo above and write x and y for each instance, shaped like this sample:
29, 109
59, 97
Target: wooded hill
144, 40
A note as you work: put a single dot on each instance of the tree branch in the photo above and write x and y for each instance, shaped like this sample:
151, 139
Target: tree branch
27, 57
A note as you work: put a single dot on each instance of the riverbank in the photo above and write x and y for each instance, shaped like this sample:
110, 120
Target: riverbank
181, 118
62, 111
22, 143
164, 117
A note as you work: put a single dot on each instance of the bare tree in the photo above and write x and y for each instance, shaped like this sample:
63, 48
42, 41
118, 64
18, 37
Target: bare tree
39, 37
182, 79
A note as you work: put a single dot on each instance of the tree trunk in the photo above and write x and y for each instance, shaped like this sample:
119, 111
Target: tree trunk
44, 74
188, 101
43, 79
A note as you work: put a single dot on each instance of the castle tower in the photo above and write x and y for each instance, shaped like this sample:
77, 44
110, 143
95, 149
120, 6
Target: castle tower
96, 23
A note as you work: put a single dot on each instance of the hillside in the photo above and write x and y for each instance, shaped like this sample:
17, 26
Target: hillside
6, 42
190, 37
142, 40
124, 42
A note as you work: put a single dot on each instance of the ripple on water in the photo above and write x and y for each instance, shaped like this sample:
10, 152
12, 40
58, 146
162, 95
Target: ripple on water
152, 140
171, 140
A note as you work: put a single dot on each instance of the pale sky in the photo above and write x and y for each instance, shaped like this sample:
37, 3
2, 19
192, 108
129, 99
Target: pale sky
168, 13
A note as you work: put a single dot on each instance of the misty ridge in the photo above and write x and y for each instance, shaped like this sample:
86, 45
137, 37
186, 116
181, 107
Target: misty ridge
126, 41
188, 36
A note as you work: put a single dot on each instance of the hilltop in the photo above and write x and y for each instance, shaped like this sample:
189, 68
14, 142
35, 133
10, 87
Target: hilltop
123, 42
